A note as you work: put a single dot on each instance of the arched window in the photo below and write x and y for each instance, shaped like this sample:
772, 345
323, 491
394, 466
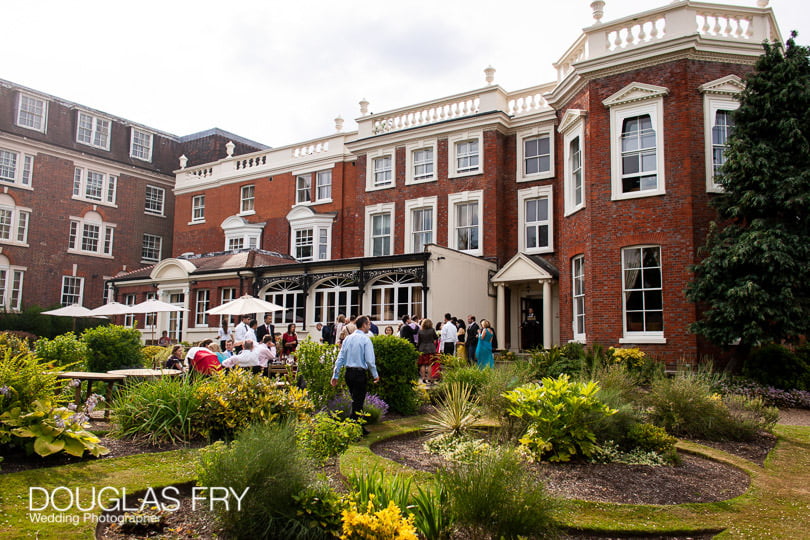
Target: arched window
333, 297
395, 295
11, 283
289, 295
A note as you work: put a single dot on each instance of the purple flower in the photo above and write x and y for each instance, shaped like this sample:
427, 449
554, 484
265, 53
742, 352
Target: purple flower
75, 382
376, 401
60, 423
4, 390
72, 406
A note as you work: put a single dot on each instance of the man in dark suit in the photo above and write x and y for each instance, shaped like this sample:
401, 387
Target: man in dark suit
472, 338
406, 332
267, 328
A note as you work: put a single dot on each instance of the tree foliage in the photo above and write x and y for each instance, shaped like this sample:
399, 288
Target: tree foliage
755, 278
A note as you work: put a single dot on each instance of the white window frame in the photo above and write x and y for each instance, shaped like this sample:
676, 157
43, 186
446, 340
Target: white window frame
536, 192
226, 294
302, 219
454, 199
95, 130
371, 159
11, 285
299, 240
247, 200
202, 302
375, 210
105, 241
641, 336
303, 188
452, 152
529, 134
711, 105
421, 203
20, 221
236, 229
323, 181
410, 161
157, 201
572, 127
197, 209
636, 99
159, 248
109, 187
395, 295
578, 297
23, 168
43, 123
129, 300
141, 150
291, 297
75, 281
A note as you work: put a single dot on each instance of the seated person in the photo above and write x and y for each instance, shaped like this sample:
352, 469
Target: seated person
247, 358
221, 356
266, 351
202, 359
175, 361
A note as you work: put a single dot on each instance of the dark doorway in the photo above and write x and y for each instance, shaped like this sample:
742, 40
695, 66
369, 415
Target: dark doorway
531, 325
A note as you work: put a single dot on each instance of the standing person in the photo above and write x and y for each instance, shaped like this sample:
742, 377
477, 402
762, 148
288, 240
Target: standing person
472, 338
406, 330
165, 340
389, 330
462, 336
340, 322
328, 334
223, 333
240, 332
373, 328
427, 349
289, 340
416, 325
267, 328
357, 354
449, 335
484, 350
349, 328
251, 331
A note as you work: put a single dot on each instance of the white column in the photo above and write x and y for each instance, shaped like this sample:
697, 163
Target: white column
547, 314
186, 314
500, 320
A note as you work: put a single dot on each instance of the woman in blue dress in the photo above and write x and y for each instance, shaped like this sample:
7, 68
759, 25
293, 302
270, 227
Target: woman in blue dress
483, 351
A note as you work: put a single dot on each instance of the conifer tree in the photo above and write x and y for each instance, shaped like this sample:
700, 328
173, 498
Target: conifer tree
755, 278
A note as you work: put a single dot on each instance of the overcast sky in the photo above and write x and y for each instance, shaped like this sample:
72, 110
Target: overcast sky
279, 72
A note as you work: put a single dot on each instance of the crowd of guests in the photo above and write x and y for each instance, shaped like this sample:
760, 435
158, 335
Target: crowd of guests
208, 356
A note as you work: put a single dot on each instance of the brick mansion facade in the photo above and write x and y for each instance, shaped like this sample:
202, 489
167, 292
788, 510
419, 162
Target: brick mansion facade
585, 198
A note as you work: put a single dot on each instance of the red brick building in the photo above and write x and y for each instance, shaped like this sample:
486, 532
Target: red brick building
585, 199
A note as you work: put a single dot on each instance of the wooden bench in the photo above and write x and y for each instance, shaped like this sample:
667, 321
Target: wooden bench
91, 377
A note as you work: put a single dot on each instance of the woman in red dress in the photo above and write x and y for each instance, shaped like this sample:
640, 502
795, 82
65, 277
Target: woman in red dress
289, 340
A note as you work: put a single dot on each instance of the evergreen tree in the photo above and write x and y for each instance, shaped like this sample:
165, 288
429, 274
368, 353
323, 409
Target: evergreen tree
755, 278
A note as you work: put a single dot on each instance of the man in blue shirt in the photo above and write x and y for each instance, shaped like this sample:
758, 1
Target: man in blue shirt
357, 354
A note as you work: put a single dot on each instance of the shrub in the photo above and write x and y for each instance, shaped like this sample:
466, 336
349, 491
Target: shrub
374, 407
25, 379
631, 358
748, 416
155, 355
457, 413
326, 435
375, 487
264, 460
610, 452
48, 429
776, 397
386, 523
473, 377
456, 447
65, 350
775, 365
498, 381
229, 402
559, 413
315, 364
15, 342
396, 364
494, 496
162, 410
112, 347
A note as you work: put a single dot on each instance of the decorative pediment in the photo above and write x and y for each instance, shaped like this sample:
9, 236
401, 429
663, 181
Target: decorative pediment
730, 85
305, 214
521, 268
169, 269
233, 223
571, 118
634, 92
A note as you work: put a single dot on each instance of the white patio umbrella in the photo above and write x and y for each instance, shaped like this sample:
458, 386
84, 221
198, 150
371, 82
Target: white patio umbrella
73, 310
154, 306
245, 304
112, 308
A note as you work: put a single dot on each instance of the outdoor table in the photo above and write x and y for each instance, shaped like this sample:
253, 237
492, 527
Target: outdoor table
146, 373
90, 376
280, 369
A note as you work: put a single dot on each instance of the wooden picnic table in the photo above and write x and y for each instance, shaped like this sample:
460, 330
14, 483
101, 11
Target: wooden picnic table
90, 377
146, 373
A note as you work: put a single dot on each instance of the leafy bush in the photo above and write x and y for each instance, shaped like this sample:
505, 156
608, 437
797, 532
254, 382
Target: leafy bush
25, 379
386, 523
632, 358
319, 509
326, 435
798, 399
651, 438
775, 365
456, 447
610, 452
749, 416
265, 460
428, 506
155, 355
473, 377
458, 411
229, 402
112, 347
396, 364
65, 350
48, 429
373, 407
163, 410
559, 413
315, 364
494, 496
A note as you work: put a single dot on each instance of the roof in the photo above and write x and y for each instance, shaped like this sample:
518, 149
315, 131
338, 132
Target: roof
226, 134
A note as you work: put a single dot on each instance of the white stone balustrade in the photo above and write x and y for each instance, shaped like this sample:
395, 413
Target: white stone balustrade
428, 114
528, 101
